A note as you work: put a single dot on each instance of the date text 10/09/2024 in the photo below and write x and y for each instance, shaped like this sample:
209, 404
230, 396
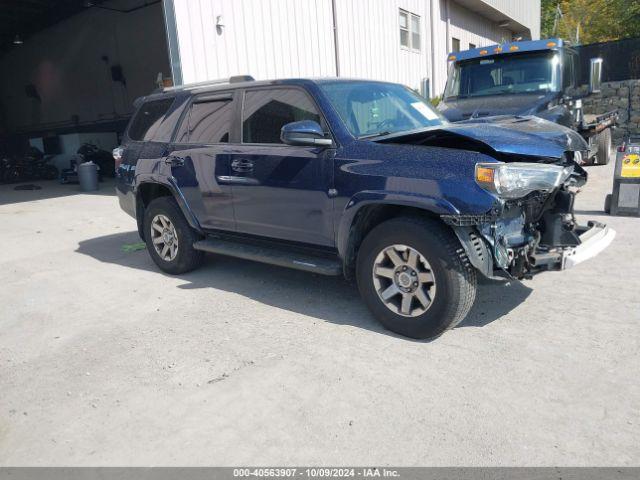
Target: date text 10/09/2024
315, 472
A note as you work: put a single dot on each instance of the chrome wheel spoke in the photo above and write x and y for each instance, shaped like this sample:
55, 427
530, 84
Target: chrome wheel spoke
412, 259
405, 306
383, 271
425, 277
393, 256
158, 240
157, 227
165, 249
423, 297
389, 292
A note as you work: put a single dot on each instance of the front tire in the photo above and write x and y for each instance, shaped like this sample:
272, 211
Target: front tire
414, 277
169, 237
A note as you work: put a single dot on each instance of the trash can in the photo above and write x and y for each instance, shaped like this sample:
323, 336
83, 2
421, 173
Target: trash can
88, 176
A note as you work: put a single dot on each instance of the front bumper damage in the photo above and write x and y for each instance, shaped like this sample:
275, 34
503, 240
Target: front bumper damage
593, 241
532, 235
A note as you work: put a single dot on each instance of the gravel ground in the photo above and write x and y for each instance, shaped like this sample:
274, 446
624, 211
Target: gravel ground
106, 361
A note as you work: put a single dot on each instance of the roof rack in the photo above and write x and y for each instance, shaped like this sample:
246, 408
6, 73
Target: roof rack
207, 83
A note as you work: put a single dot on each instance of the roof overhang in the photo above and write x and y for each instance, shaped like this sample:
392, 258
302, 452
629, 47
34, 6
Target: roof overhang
490, 12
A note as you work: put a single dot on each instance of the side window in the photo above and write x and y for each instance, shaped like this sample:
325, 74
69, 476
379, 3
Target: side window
567, 71
148, 118
208, 122
265, 112
570, 73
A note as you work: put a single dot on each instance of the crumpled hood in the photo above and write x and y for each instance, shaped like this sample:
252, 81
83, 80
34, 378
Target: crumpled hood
530, 136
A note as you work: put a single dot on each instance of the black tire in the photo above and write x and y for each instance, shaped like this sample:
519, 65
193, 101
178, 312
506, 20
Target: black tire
607, 203
603, 156
186, 258
455, 278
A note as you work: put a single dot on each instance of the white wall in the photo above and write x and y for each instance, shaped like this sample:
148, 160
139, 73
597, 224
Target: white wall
64, 63
292, 38
263, 38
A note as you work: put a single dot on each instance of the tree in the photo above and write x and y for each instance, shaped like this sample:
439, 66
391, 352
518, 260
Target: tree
591, 21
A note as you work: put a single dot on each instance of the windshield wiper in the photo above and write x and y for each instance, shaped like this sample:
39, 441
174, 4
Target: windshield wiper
374, 135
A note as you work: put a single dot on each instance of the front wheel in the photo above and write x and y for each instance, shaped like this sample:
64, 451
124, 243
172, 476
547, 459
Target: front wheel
169, 237
415, 278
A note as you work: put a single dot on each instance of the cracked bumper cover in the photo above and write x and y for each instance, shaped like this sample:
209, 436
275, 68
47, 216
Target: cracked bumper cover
593, 241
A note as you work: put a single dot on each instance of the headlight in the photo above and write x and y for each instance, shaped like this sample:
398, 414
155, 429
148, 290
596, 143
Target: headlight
516, 180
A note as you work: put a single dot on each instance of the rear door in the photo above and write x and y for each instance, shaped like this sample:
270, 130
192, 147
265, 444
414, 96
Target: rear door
281, 191
201, 154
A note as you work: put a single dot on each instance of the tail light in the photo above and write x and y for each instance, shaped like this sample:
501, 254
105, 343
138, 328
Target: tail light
117, 153
622, 148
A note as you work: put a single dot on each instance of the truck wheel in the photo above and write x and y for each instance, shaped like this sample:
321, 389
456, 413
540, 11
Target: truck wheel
603, 156
607, 203
415, 277
169, 237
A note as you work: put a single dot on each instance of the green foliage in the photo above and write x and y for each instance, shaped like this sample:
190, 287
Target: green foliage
592, 20
436, 101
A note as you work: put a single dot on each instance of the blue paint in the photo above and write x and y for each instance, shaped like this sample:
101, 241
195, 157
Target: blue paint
311, 194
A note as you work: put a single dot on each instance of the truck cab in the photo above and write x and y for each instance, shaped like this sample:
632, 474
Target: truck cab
540, 78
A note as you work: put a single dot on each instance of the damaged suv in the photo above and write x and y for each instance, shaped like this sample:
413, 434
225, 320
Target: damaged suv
357, 178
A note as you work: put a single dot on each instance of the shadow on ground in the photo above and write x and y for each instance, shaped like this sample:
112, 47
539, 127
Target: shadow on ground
328, 298
49, 189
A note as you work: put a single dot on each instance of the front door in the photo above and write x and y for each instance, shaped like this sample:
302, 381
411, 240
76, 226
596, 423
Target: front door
201, 155
281, 191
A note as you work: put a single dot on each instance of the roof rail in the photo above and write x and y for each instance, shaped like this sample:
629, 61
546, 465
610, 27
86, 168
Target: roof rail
207, 83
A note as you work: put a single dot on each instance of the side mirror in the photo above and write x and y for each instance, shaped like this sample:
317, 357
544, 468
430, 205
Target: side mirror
304, 132
595, 75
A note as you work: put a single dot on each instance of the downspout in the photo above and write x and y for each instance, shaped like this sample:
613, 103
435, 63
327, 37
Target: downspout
172, 41
448, 26
335, 37
433, 48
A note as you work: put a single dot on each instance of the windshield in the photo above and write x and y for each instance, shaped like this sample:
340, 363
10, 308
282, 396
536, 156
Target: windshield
514, 73
371, 109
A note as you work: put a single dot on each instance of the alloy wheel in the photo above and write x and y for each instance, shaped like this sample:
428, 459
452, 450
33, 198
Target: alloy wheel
164, 237
404, 280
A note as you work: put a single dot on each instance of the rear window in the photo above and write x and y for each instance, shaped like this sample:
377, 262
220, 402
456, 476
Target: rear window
148, 118
207, 122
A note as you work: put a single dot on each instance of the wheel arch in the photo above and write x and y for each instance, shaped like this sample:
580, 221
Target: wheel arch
367, 210
149, 190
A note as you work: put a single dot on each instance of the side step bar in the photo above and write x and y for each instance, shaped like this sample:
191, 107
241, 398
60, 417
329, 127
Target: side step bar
271, 255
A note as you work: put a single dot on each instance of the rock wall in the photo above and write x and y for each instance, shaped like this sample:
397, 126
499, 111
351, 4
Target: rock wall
622, 96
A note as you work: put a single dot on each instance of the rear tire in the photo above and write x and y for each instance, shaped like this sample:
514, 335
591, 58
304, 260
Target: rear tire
380, 273
603, 156
165, 226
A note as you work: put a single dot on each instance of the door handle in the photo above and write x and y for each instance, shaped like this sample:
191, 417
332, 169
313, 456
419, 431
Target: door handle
242, 165
174, 161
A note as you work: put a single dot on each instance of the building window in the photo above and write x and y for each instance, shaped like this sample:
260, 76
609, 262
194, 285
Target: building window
455, 44
472, 46
410, 30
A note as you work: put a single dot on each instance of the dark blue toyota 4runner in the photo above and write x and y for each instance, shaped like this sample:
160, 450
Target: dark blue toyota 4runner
359, 178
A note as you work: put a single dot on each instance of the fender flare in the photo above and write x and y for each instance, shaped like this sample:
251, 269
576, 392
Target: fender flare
434, 205
173, 187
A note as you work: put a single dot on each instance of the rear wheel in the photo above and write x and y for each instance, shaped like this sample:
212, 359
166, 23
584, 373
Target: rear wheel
169, 237
603, 156
415, 277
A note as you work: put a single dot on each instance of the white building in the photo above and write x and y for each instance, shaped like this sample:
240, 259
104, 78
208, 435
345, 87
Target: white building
404, 41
